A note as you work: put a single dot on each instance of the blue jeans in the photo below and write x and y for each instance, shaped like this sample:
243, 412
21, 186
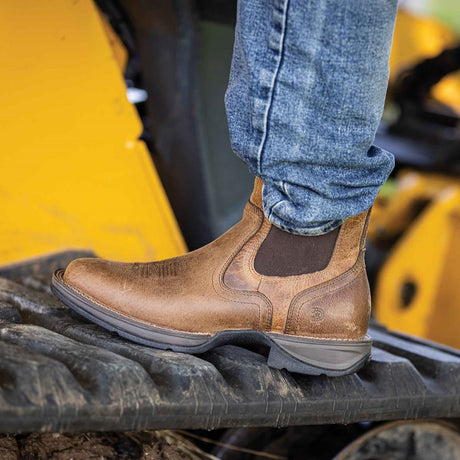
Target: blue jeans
305, 96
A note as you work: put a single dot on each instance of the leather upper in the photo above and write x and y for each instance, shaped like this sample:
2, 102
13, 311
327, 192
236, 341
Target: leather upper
217, 287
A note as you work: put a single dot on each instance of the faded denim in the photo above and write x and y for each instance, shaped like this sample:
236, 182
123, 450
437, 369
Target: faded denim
305, 96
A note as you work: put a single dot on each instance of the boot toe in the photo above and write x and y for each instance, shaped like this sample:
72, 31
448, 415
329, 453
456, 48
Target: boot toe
88, 275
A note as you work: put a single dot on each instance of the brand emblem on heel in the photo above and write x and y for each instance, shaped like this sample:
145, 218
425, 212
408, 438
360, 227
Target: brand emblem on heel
317, 314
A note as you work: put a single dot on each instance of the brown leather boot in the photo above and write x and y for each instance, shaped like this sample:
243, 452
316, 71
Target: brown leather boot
307, 298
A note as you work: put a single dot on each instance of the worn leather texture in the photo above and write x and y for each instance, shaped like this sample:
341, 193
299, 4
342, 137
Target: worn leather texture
218, 288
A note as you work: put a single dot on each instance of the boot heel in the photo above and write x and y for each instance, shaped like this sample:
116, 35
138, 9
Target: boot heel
316, 356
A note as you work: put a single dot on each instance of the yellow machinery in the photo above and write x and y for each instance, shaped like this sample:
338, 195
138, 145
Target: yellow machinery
73, 172
417, 288
420, 37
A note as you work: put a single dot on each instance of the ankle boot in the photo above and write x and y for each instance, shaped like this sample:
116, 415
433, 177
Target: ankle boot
305, 297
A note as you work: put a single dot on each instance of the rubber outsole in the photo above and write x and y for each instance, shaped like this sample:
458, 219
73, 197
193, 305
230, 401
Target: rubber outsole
295, 354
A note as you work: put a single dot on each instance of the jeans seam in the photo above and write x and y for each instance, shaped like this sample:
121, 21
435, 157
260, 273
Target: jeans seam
272, 87
271, 212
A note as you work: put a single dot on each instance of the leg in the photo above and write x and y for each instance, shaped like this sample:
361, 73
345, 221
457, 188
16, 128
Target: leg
304, 100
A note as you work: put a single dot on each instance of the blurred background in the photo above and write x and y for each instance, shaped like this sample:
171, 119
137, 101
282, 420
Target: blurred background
115, 143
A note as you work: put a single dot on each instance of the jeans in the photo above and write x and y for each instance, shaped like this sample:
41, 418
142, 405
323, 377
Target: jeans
305, 96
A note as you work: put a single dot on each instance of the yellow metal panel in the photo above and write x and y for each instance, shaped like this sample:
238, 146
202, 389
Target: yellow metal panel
444, 320
119, 51
73, 173
427, 256
392, 215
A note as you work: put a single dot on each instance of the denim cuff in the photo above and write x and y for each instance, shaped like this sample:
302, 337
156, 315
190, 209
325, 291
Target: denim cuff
277, 212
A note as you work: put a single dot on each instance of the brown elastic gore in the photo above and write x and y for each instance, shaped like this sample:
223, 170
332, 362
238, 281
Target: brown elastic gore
286, 254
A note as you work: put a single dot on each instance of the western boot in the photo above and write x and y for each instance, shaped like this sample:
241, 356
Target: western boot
305, 297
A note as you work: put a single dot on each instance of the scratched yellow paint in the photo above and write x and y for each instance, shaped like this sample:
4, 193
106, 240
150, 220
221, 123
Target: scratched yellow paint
73, 174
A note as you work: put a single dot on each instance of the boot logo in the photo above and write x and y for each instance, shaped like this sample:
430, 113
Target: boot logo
317, 314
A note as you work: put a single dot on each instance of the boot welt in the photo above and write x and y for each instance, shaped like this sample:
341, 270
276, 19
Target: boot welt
296, 354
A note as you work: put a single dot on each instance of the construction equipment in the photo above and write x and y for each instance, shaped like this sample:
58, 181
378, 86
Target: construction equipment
74, 172
61, 373
417, 286
414, 248
70, 126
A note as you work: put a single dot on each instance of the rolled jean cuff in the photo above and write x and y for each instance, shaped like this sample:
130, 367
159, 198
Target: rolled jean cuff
304, 231
284, 213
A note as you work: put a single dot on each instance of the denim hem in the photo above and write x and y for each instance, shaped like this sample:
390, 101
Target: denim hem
311, 230
304, 231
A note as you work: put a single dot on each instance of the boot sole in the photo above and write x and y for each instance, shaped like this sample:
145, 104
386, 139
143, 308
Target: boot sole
295, 354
